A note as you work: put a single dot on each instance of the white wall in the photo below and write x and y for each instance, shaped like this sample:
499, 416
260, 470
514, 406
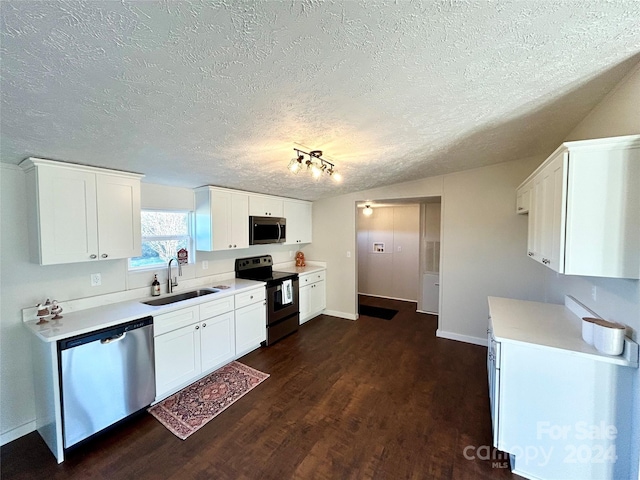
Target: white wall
617, 114
394, 273
483, 249
24, 284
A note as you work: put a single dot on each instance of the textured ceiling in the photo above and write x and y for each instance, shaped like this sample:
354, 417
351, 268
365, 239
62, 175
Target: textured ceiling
220, 92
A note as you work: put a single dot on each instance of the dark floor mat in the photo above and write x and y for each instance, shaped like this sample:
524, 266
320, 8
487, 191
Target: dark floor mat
378, 312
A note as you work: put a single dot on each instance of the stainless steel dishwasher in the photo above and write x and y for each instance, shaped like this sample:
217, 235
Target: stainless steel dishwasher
105, 376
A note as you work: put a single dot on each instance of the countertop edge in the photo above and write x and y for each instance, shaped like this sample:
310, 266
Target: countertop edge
126, 311
557, 316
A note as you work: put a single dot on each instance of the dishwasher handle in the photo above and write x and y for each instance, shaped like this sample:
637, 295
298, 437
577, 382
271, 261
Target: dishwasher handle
115, 338
105, 335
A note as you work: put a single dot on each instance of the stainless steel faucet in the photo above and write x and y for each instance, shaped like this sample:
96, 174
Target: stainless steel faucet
174, 283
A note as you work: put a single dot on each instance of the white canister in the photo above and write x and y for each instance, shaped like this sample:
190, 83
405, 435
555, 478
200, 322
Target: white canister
587, 329
608, 337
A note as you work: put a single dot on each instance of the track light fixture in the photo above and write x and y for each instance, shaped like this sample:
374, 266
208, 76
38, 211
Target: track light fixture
314, 163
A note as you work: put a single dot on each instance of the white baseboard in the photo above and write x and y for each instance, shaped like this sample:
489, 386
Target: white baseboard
461, 338
18, 432
334, 313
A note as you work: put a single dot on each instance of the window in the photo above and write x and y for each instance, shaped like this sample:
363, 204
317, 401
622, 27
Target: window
163, 234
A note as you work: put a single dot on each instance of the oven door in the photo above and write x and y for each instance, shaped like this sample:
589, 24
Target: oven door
276, 309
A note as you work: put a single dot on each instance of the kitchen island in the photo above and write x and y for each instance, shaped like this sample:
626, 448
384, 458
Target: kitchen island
559, 407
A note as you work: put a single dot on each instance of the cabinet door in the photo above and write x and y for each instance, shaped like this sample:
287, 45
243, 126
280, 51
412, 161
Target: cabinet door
220, 218
536, 214
523, 199
318, 297
553, 206
251, 327
304, 303
66, 212
265, 206
299, 220
177, 356
239, 221
118, 202
217, 341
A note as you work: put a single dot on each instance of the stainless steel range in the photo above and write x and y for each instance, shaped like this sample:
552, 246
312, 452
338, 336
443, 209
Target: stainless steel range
283, 312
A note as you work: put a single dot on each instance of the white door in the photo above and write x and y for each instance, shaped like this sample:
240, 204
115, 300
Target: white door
177, 355
431, 293
251, 327
118, 216
217, 341
67, 216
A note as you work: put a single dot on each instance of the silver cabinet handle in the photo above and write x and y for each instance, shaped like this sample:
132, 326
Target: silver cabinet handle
204, 325
251, 297
530, 254
104, 255
197, 327
234, 246
264, 303
93, 256
229, 245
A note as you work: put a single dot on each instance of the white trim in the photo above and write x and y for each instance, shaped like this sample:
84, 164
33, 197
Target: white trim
335, 313
17, 432
461, 338
429, 313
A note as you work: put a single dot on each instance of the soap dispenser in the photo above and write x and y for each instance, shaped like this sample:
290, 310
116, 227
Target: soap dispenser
155, 286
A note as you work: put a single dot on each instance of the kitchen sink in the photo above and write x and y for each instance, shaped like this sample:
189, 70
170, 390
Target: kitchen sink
181, 296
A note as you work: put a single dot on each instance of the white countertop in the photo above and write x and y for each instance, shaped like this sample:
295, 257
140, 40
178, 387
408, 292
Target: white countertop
300, 270
91, 319
545, 325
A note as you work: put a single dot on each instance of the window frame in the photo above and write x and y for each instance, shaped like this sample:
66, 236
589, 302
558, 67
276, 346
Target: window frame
190, 239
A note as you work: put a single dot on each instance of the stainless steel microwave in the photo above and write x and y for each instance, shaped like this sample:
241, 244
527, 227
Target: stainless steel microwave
264, 230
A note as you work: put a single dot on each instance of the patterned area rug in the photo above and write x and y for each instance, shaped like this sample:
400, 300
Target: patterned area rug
188, 410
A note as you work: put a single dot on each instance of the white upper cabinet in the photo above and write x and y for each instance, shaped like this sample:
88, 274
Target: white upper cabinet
584, 215
80, 213
265, 206
523, 198
222, 219
298, 215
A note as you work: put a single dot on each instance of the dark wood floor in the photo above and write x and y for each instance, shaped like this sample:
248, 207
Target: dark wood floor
346, 400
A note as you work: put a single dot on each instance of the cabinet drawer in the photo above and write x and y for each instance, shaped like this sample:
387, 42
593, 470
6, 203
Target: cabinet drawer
217, 307
309, 278
167, 322
252, 296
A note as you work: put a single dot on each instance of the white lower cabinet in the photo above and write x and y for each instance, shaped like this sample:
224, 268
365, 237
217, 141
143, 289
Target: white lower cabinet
191, 342
559, 408
217, 345
177, 356
312, 295
251, 322
194, 341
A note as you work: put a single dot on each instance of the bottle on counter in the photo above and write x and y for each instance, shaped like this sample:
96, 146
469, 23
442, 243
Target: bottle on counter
155, 286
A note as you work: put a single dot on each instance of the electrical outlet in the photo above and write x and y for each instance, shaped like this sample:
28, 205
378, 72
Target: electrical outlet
594, 293
399, 248
348, 254
96, 279
205, 265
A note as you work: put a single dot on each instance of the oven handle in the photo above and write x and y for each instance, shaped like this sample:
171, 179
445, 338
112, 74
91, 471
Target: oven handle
279, 231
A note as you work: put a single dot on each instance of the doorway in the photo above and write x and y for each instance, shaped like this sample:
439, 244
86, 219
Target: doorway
398, 250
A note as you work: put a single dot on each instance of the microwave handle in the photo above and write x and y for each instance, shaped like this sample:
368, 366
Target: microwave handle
279, 231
